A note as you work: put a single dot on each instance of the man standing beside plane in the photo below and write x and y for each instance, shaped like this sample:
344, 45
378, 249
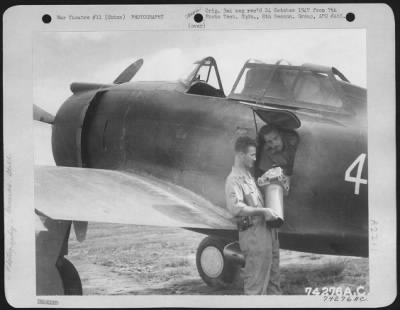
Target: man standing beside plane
256, 238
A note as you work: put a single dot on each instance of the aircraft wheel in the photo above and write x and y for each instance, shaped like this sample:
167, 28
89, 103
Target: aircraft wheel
212, 266
70, 277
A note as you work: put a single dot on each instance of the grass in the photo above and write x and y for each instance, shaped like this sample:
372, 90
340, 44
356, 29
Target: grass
132, 260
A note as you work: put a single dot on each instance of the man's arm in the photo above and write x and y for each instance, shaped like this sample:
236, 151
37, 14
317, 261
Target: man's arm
249, 211
237, 206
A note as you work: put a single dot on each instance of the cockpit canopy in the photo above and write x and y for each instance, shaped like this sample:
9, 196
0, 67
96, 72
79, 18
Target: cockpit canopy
305, 86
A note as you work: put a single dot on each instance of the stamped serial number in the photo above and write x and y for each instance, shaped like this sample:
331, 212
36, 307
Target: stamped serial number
337, 292
352, 298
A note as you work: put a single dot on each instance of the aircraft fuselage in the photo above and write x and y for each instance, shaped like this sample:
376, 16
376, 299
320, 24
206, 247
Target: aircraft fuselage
188, 140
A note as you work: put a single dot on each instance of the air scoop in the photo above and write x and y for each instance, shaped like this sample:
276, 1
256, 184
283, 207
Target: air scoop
124, 77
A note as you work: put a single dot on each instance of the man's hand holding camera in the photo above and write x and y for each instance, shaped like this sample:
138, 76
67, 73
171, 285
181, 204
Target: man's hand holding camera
275, 175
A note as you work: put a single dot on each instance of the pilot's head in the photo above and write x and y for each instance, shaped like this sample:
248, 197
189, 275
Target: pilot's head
271, 138
245, 152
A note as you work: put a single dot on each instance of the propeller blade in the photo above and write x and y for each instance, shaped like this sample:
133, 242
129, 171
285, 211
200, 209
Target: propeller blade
80, 230
41, 115
129, 72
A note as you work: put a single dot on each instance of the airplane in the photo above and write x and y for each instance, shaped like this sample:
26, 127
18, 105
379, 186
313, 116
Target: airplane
158, 153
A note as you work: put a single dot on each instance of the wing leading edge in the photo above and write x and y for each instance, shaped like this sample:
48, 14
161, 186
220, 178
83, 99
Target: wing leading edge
77, 194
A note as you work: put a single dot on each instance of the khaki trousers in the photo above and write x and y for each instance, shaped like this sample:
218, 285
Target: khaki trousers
260, 246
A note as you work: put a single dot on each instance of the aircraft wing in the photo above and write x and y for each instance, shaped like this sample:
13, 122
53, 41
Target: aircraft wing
109, 196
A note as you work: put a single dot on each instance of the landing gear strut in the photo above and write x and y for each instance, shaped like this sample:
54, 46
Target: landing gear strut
55, 275
69, 276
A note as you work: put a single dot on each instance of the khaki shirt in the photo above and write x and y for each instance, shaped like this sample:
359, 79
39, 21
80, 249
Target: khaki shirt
241, 191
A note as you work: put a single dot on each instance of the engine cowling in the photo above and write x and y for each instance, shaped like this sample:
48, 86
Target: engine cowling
67, 128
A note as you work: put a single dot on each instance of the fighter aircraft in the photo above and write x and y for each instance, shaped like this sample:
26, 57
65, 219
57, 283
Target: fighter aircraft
158, 153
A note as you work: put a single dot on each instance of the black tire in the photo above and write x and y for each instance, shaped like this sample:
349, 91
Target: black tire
70, 277
224, 273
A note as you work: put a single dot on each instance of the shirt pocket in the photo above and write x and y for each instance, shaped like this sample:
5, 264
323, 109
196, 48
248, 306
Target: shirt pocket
250, 195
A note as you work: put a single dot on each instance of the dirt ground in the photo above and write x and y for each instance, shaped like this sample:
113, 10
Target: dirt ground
141, 260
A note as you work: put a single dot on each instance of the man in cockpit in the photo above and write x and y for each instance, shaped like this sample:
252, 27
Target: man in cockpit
276, 148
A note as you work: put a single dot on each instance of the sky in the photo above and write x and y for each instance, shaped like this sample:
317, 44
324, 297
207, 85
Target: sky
60, 58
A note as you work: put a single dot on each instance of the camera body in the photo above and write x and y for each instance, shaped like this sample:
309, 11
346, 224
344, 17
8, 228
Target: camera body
243, 223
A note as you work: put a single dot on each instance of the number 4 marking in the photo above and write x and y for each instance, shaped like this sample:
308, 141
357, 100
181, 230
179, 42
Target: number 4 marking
357, 179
